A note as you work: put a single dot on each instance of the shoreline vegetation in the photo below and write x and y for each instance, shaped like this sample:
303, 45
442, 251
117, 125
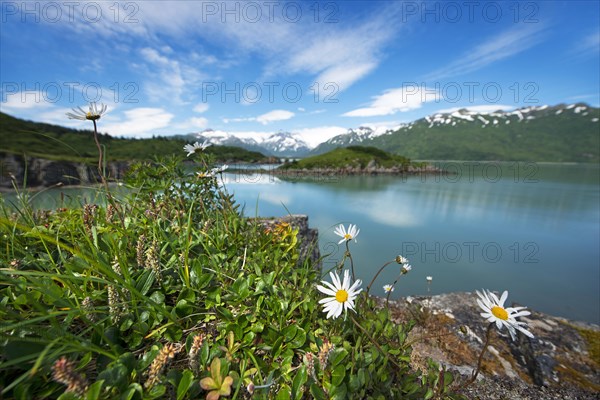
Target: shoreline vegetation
170, 292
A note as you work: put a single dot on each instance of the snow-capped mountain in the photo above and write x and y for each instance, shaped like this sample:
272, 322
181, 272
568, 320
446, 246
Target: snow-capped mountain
282, 144
455, 133
464, 128
285, 144
353, 137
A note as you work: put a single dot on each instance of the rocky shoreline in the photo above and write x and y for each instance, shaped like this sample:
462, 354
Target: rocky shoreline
345, 171
561, 362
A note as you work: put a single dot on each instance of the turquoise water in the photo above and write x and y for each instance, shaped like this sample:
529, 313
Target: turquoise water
531, 229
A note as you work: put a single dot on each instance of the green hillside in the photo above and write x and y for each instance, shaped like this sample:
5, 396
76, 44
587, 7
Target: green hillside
555, 134
352, 156
57, 142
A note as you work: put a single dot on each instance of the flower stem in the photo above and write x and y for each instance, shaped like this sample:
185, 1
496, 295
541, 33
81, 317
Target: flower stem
351, 261
100, 153
377, 274
375, 343
485, 345
103, 178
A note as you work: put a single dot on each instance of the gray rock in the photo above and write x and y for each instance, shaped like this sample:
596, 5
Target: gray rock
556, 364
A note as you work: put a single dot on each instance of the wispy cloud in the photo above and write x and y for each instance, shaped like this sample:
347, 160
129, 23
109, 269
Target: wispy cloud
328, 52
266, 118
401, 99
201, 108
504, 45
340, 56
275, 115
587, 46
139, 122
167, 78
29, 99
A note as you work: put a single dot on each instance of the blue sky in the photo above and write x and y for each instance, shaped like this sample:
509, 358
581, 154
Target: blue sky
315, 68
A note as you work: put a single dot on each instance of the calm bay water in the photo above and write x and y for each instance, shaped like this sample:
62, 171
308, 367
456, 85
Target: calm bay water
532, 229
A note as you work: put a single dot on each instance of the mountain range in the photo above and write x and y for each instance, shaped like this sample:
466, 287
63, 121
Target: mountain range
558, 133
281, 144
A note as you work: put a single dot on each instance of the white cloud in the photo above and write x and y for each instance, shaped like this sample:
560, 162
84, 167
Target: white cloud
401, 99
588, 46
25, 100
315, 136
201, 107
242, 119
139, 122
192, 124
328, 52
275, 115
507, 44
168, 78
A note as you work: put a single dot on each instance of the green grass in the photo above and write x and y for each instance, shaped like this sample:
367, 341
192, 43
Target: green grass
167, 291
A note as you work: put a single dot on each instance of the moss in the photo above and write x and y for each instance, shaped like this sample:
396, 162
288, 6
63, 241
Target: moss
592, 339
573, 376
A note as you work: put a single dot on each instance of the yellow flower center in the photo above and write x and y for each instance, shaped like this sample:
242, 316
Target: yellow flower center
500, 312
348, 236
341, 296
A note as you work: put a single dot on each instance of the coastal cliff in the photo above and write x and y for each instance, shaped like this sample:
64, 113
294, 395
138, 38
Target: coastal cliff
33, 172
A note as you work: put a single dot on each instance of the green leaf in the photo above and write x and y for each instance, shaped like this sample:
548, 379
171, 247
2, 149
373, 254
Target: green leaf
183, 308
339, 392
225, 313
145, 281
158, 297
157, 391
94, 390
116, 376
338, 375
187, 294
317, 393
126, 324
429, 394
277, 346
337, 356
299, 381
283, 393
184, 383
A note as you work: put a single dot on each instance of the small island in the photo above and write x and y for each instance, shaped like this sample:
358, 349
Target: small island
355, 160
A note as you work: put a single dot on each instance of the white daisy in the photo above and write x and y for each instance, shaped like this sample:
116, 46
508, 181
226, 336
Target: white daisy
192, 148
401, 260
406, 268
93, 113
347, 235
495, 312
388, 288
218, 170
341, 294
